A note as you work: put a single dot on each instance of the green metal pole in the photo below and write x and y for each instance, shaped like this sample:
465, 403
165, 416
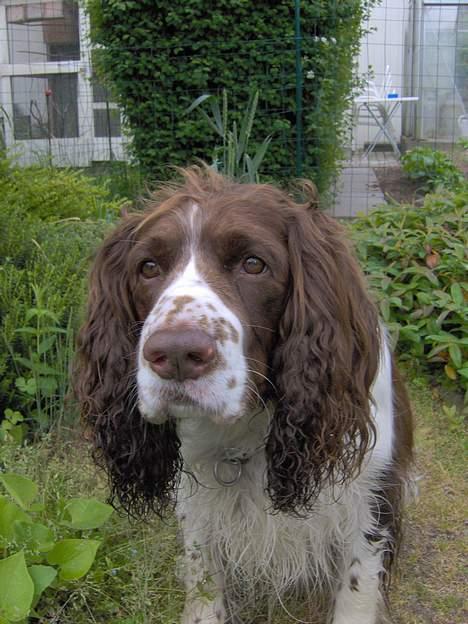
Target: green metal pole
298, 40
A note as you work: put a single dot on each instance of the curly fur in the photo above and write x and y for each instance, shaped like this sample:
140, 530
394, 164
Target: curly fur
142, 460
326, 360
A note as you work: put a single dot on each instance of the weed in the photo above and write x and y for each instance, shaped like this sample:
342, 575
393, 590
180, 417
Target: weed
232, 158
415, 261
432, 168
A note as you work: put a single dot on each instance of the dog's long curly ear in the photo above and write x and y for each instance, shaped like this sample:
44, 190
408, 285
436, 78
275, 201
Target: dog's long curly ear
142, 460
327, 357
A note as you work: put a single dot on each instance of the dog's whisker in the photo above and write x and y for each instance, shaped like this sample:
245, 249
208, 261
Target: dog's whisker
250, 370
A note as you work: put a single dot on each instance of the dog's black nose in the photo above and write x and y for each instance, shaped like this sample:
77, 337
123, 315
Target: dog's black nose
180, 354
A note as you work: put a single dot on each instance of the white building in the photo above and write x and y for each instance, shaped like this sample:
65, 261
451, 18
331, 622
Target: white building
50, 107
424, 43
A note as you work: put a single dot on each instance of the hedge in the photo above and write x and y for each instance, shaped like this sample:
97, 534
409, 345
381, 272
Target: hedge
158, 57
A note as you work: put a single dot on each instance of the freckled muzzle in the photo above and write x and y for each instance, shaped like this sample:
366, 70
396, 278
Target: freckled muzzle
180, 353
191, 353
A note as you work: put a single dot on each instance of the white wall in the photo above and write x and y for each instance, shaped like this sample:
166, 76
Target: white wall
383, 47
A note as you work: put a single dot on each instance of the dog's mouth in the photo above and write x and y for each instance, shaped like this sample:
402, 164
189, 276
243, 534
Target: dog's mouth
178, 400
188, 399
178, 393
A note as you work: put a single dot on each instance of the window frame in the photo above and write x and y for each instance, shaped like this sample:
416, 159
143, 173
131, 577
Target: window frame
78, 151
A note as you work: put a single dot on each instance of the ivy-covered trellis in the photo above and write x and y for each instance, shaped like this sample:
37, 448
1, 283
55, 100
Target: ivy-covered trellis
160, 56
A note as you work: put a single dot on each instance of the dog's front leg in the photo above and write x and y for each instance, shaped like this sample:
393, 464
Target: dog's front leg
204, 602
359, 598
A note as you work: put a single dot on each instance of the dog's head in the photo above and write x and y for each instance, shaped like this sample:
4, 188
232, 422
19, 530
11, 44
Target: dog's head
218, 297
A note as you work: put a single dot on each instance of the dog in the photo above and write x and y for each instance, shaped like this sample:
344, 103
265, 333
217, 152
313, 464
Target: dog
232, 365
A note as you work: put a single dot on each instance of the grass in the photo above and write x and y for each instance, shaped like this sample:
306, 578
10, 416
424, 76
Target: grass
431, 587
134, 579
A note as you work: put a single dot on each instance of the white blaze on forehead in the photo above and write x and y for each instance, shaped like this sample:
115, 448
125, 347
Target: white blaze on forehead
190, 221
189, 300
193, 212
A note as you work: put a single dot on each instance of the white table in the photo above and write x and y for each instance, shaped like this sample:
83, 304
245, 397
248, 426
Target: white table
381, 111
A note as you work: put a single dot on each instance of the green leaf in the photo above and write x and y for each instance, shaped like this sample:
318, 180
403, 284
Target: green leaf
87, 513
246, 126
13, 417
197, 102
16, 588
463, 372
9, 514
26, 330
41, 313
218, 122
456, 355
46, 344
73, 556
21, 489
260, 154
35, 536
47, 385
25, 362
444, 337
43, 369
436, 350
457, 294
385, 309
26, 386
42, 577
250, 169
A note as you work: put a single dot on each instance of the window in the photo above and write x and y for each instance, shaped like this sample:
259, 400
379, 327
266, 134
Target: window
45, 106
107, 123
444, 69
106, 114
43, 32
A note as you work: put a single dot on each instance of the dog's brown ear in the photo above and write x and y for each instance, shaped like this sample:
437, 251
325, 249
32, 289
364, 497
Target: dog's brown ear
326, 358
142, 460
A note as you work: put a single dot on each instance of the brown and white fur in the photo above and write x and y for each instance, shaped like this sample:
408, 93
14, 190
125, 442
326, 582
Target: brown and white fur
233, 364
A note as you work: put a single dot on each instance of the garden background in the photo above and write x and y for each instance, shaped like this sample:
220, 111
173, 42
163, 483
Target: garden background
280, 103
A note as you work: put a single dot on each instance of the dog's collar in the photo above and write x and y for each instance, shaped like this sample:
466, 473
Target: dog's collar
231, 462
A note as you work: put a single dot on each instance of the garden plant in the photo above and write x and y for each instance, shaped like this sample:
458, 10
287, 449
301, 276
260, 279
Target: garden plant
64, 557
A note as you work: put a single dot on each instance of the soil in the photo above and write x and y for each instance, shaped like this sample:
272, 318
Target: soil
396, 186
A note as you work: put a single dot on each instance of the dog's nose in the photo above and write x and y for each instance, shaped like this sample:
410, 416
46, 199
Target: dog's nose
180, 354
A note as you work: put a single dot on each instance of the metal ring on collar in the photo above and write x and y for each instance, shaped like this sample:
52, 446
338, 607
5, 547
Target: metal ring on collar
228, 482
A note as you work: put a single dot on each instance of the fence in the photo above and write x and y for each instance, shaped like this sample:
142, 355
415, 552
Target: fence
414, 64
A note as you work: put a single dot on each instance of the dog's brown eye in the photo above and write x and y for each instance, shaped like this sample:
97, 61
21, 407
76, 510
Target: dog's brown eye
150, 269
253, 265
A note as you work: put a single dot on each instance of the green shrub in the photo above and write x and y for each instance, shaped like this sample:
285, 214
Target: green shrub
42, 288
123, 180
43, 263
159, 56
415, 258
50, 193
131, 580
432, 168
42, 545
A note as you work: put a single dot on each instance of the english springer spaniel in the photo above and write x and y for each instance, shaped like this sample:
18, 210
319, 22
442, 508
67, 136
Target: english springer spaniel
232, 364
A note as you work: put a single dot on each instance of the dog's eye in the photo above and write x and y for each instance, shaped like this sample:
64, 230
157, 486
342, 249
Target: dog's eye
150, 269
253, 265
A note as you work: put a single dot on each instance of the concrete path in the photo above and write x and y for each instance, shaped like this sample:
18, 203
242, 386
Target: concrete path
356, 190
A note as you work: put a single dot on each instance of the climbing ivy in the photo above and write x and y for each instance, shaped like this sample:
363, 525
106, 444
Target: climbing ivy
158, 57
